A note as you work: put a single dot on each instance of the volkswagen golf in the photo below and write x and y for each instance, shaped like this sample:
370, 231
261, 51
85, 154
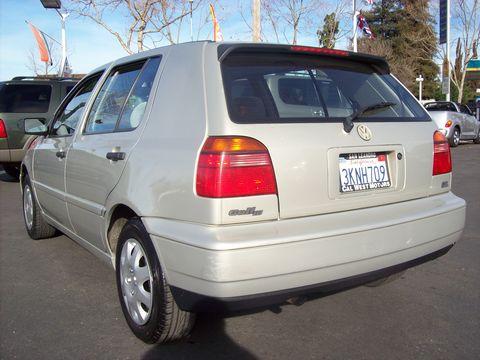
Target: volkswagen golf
232, 176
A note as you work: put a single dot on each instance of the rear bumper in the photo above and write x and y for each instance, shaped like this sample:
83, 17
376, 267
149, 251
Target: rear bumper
205, 265
7, 154
12, 155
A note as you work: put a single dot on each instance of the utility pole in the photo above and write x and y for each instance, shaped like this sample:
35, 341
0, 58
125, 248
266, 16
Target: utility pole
256, 20
354, 25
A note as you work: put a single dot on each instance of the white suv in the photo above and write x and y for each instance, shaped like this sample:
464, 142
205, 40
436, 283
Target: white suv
238, 175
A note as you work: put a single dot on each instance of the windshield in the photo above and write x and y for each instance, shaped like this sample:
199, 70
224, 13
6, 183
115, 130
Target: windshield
24, 98
294, 88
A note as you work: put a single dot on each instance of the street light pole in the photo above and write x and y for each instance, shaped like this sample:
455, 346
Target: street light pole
61, 70
57, 4
420, 86
191, 19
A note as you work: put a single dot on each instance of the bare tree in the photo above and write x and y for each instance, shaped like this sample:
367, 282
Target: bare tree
147, 21
287, 17
331, 26
467, 14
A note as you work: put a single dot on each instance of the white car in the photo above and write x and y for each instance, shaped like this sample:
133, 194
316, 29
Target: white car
232, 176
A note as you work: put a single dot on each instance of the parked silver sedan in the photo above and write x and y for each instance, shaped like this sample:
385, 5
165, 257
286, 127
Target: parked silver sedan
456, 121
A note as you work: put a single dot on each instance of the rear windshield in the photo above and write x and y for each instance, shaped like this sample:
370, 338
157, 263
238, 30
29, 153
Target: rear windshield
268, 88
440, 106
24, 98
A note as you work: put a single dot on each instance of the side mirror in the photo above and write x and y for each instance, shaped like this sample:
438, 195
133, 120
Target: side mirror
35, 127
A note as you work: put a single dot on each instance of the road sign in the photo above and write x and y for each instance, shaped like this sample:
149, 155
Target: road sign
443, 21
473, 70
445, 85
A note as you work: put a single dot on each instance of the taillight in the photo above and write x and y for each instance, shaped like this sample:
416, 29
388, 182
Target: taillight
448, 123
232, 166
3, 130
442, 161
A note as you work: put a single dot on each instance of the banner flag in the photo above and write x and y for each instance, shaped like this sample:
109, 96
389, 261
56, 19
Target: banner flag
217, 33
42, 43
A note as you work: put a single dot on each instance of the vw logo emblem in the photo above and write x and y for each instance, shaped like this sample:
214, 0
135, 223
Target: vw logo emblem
364, 132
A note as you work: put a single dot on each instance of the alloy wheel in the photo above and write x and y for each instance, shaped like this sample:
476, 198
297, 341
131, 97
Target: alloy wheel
456, 137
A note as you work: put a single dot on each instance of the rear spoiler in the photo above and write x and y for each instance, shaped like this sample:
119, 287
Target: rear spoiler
226, 49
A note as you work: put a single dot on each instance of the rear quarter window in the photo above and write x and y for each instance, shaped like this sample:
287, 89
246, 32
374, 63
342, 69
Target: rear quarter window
25, 98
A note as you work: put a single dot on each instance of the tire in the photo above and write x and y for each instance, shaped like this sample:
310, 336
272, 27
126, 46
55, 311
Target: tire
154, 316
13, 170
35, 224
386, 280
455, 138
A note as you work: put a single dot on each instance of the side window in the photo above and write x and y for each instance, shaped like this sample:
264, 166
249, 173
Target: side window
137, 100
452, 108
465, 110
66, 122
110, 100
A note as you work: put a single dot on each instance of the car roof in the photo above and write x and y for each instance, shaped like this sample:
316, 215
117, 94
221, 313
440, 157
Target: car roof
225, 48
32, 80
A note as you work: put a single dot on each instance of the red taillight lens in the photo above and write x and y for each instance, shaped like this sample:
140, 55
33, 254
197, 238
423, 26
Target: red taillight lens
233, 166
442, 161
448, 123
3, 130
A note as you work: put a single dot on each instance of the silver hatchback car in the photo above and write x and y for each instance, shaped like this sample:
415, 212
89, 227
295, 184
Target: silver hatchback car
233, 176
455, 121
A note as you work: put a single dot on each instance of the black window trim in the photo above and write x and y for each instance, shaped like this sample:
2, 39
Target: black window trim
115, 129
65, 102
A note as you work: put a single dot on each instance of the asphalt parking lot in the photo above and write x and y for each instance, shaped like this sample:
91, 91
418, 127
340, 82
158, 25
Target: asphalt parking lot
57, 301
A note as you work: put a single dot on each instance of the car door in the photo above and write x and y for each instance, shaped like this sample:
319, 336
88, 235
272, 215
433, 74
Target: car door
469, 121
50, 153
98, 155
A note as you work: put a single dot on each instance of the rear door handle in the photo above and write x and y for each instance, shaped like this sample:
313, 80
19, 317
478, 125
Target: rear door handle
61, 154
115, 156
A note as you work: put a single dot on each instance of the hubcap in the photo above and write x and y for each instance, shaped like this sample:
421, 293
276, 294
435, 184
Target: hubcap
28, 207
456, 137
136, 281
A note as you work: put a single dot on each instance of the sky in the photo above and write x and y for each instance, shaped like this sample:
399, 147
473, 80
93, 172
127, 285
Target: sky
90, 46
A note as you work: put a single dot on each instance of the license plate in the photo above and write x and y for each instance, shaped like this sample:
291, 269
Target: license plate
363, 171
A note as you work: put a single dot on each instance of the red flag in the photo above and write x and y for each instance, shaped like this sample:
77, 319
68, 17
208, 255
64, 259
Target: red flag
42, 44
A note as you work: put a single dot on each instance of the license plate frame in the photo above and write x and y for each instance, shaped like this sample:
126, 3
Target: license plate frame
363, 172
